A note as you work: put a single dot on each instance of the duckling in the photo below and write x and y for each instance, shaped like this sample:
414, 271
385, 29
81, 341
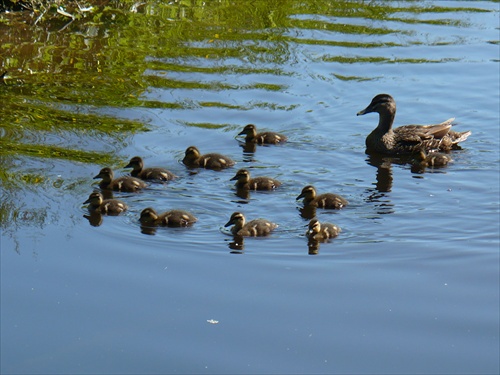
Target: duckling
321, 231
139, 171
261, 138
327, 200
193, 159
433, 159
244, 182
124, 183
105, 206
254, 228
173, 218
407, 139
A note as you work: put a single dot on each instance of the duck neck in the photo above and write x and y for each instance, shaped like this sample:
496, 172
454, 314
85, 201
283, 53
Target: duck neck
385, 121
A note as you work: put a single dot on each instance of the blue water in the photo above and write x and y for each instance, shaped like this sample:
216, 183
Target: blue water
410, 286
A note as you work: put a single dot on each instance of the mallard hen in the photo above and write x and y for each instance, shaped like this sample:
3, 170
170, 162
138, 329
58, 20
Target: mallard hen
407, 139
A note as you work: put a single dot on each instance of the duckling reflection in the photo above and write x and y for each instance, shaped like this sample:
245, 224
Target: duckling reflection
95, 218
237, 244
307, 212
313, 247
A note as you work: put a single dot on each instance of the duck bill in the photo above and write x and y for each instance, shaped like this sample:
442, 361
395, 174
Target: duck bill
87, 201
364, 111
128, 166
96, 177
230, 222
300, 196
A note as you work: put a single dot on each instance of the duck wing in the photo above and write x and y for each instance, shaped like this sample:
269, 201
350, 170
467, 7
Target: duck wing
410, 132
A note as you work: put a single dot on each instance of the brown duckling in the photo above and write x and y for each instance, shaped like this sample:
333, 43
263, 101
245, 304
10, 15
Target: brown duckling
244, 182
407, 139
193, 159
172, 218
124, 183
105, 206
254, 228
159, 174
327, 200
433, 159
261, 138
321, 231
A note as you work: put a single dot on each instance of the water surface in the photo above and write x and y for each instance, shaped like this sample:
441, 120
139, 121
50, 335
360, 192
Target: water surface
410, 286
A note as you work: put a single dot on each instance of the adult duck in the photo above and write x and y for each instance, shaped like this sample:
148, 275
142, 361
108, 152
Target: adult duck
407, 139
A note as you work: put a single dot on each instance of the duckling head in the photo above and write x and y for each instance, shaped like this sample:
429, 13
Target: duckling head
308, 192
106, 174
249, 129
242, 175
191, 153
95, 199
136, 163
148, 216
314, 227
237, 218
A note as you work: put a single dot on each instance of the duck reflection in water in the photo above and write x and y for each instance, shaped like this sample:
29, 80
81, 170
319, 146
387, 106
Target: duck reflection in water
237, 244
383, 183
95, 218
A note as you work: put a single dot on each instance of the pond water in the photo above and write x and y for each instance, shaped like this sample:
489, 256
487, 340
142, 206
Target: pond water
411, 285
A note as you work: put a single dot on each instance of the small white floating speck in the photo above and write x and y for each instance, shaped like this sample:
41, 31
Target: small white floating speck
212, 321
